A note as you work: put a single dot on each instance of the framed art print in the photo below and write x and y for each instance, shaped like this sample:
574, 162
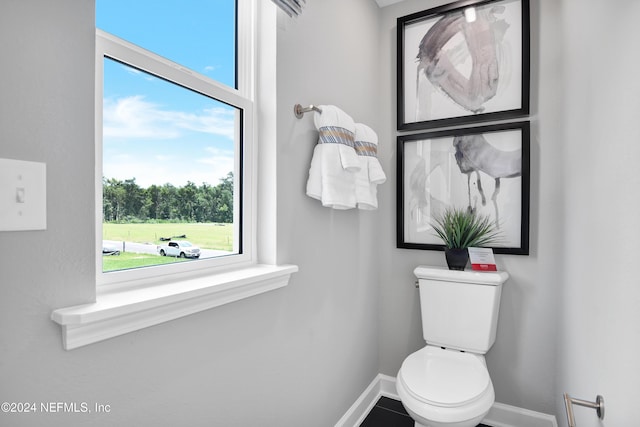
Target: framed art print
464, 62
484, 169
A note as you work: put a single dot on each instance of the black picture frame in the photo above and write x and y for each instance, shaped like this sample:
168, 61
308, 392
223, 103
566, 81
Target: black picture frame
462, 167
453, 72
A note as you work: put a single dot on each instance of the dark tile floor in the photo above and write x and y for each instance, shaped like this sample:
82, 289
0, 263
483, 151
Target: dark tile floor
390, 413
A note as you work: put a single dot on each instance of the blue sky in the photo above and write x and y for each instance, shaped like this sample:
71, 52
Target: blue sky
153, 130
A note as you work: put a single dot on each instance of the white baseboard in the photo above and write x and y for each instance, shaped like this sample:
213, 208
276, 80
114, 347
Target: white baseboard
500, 415
382, 385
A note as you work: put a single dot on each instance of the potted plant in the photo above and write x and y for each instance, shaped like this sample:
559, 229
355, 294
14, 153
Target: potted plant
461, 229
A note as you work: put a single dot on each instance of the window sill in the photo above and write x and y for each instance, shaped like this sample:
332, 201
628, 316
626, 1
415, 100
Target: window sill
117, 312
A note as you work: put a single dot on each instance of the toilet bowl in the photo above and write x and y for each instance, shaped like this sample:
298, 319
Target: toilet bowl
446, 383
445, 388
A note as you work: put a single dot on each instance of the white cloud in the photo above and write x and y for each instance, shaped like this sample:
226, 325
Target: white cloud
133, 117
171, 171
136, 72
215, 121
221, 162
217, 155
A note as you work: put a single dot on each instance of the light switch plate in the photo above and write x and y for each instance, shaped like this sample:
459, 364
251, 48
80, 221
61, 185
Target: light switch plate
23, 195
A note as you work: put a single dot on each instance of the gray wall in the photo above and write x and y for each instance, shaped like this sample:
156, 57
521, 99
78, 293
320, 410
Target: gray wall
307, 351
297, 356
568, 319
600, 336
522, 362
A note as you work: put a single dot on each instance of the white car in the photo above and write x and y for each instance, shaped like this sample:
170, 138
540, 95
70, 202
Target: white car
179, 248
110, 249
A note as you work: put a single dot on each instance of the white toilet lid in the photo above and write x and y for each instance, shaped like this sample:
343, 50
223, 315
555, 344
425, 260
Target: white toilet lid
444, 377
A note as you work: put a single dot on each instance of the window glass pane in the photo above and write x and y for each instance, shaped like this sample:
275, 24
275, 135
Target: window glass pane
170, 159
199, 34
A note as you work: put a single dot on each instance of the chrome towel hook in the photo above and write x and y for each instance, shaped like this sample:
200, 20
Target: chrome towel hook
569, 401
299, 110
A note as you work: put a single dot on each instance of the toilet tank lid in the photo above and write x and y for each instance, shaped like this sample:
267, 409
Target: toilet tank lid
467, 276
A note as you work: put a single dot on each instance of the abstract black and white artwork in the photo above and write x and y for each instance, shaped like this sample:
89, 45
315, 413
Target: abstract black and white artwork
483, 169
463, 62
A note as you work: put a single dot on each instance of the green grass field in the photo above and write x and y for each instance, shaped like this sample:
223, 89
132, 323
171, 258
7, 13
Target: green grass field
128, 260
207, 236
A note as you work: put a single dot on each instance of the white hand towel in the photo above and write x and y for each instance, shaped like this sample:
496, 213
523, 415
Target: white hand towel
331, 175
371, 173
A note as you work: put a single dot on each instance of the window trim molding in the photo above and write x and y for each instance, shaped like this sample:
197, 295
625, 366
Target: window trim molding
126, 307
119, 312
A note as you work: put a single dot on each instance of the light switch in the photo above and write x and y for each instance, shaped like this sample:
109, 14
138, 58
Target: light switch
23, 195
20, 195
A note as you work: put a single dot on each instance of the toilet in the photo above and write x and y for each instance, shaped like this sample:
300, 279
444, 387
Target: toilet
446, 383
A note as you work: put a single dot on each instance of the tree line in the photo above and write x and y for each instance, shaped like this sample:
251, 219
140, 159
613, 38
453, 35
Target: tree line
126, 201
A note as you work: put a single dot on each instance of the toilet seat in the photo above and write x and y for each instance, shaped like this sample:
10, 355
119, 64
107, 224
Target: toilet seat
444, 378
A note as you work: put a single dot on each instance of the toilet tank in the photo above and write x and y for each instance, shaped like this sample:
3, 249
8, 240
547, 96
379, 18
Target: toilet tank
460, 308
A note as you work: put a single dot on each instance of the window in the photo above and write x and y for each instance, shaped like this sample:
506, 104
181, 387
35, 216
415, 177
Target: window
175, 137
177, 290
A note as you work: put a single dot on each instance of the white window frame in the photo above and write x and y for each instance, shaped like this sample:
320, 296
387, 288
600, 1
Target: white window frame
131, 300
110, 46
